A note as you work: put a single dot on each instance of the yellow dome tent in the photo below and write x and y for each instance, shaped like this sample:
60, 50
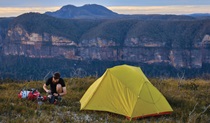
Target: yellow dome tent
125, 90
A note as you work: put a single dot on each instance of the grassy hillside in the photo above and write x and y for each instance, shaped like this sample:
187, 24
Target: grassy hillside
190, 100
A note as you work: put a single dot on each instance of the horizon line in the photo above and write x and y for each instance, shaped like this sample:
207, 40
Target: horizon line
130, 10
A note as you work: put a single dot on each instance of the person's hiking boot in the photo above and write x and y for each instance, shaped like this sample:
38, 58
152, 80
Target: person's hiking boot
52, 99
55, 102
59, 99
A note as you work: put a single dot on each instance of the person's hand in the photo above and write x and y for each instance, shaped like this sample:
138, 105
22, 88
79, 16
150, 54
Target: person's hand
48, 91
55, 94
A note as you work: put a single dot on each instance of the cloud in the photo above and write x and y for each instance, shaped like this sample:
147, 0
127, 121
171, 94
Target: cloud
188, 9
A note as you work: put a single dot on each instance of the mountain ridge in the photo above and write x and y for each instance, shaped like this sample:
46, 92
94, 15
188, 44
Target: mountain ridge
95, 11
86, 11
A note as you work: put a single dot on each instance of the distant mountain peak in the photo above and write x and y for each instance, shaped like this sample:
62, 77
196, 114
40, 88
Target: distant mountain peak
98, 9
85, 11
68, 7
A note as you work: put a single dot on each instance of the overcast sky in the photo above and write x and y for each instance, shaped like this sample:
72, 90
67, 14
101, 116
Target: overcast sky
10, 8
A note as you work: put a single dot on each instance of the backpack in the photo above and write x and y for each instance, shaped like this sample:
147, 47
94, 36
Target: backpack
30, 94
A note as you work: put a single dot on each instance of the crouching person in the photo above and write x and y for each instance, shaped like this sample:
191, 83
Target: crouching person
57, 88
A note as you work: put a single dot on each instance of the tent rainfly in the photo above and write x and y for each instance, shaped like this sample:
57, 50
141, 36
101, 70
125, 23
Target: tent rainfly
125, 90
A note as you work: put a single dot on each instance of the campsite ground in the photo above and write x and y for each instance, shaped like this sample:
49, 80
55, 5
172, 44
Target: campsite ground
190, 100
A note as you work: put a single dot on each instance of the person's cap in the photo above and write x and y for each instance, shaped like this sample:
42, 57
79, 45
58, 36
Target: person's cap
56, 75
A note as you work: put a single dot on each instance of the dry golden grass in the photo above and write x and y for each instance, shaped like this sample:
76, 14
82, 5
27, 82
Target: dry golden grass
188, 101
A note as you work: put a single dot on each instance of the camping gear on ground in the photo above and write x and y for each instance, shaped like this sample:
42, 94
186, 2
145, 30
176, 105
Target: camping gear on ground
31, 94
125, 90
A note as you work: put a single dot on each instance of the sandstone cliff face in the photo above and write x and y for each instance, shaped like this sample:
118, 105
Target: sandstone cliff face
34, 45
